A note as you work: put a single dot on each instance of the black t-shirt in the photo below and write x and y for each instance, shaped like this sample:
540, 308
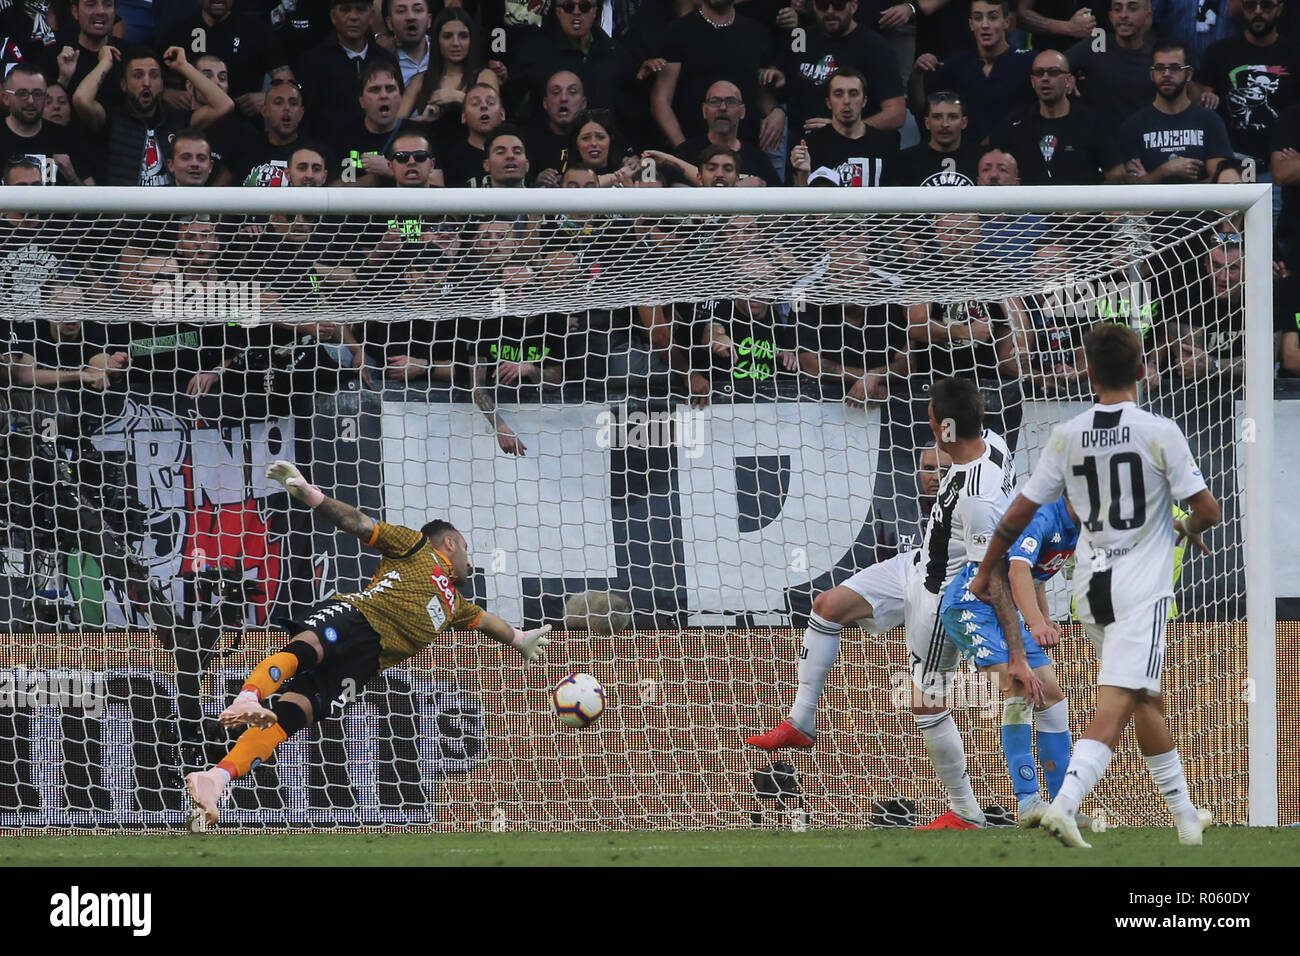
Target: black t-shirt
756, 337
1286, 135
38, 340
1071, 150
864, 161
708, 54
462, 164
1286, 312
110, 92
255, 162
1115, 82
175, 348
923, 165
25, 28
852, 336
546, 149
351, 142
39, 255
49, 141
245, 42
808, 73
1002, 92
1154, 137
1255, 84
429, 341
753, 161
964, 357
227, 137
68, 353
511, 338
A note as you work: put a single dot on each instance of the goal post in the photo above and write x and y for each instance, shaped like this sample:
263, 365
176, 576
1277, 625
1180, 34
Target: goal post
713, 526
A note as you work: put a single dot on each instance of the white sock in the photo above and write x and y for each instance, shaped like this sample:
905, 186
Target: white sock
943, 744
225, 773
248, 695
1087, 765
1167, 772
821, 646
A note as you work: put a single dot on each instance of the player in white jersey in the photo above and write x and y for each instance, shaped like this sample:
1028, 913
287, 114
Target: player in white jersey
1123, 468
973, 495
877, 593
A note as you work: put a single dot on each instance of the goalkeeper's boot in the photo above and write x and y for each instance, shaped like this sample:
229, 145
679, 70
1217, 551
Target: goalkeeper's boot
1031, 814
205, 788
1191, 830
1064, 827
951, 820
785, 734
244, 712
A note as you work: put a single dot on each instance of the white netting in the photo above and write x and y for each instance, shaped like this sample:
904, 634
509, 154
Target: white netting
542, 381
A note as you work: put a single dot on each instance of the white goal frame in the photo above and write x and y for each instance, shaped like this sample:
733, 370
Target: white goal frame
1254, 200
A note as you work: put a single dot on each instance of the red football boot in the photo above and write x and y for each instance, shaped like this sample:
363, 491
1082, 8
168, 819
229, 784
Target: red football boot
950, 821
783, 735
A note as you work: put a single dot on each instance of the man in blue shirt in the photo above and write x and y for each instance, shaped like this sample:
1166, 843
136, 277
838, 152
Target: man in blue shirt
1173, 140
992, 79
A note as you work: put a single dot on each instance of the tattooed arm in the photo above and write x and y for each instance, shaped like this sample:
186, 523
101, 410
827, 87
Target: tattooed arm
344, 517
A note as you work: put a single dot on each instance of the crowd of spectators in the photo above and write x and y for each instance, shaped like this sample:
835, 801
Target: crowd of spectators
636, 94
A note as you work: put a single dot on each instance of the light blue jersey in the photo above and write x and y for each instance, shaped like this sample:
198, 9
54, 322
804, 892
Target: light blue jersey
1048, 541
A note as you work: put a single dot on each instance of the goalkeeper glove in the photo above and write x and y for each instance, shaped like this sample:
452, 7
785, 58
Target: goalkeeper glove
287, 474
531, 644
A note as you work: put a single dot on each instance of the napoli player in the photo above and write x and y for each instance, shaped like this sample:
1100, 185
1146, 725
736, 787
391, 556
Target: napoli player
1044, 548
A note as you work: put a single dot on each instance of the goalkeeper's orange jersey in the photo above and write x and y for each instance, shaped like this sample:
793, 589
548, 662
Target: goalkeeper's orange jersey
411, 599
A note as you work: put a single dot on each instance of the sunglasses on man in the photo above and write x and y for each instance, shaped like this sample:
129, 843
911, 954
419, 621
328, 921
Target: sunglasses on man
404, 156
582, 7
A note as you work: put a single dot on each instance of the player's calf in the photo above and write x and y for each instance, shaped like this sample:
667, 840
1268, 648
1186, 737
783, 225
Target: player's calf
821, 647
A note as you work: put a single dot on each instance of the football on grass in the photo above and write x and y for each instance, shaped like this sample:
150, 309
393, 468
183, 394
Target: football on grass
578, 700
601, 611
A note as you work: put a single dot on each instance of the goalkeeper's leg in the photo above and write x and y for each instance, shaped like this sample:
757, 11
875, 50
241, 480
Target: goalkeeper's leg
292, 712
300, 655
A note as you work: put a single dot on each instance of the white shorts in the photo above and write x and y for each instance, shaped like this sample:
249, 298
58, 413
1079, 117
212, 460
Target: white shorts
931, 656
1131, 651
884, 587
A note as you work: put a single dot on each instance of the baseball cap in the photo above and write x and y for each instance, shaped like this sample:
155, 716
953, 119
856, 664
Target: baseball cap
824, 176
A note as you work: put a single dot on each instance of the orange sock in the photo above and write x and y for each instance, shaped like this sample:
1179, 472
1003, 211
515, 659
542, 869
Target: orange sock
270, 674
253, 746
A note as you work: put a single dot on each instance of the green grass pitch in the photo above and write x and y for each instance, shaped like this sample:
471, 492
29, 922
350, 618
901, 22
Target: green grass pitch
1122, 847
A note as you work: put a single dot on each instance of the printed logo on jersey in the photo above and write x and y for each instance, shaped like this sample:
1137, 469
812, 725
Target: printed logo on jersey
821, 71
1047, 146
444, 585
274, 173
1251, 101
860, 171
1053, 561
152, 168
331, 635
1029, 545
947, 177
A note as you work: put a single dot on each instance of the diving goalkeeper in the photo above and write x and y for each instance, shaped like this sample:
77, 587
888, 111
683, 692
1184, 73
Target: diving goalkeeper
349, 638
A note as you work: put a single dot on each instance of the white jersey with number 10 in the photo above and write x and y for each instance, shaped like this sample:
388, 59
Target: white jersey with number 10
1123, 469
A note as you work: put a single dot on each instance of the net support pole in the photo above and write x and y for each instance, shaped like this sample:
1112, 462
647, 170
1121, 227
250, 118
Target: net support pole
1257, 439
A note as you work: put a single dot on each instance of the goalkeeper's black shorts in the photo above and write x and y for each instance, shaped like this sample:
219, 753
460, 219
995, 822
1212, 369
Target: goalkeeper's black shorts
351, 658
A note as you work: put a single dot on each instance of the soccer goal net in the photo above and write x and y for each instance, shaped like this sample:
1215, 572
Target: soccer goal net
675, 414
